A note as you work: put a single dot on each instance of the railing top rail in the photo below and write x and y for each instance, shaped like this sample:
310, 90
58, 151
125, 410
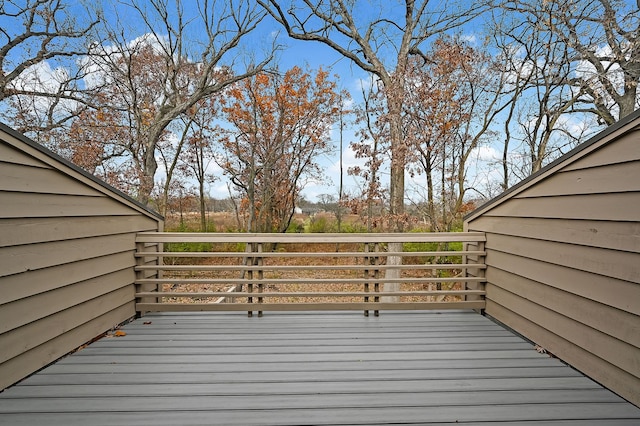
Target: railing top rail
289, 254
237, 237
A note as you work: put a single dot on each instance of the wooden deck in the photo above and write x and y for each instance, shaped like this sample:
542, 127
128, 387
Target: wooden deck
311, 368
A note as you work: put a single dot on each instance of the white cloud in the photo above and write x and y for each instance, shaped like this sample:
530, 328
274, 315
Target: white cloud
214, 169
97, 64
486, 153
348, 160
363, 85
469, 38
219, 190
42, 78
347, 104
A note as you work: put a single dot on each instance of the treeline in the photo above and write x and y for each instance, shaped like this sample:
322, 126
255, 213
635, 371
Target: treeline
325, 215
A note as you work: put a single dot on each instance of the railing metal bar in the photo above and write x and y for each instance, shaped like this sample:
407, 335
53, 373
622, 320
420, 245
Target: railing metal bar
249, 261
269, 268
330, 238
309, 254
351, 306
311, 294
310, 281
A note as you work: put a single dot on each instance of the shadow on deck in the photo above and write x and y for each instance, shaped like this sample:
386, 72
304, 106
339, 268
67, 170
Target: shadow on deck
311, 368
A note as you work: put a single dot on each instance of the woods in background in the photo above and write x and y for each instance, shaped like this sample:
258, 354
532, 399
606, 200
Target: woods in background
187, 97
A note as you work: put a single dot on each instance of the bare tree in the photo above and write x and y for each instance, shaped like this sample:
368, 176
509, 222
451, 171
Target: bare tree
373, 149
170, 152
543, 51
380, 46
602, 43
455, 97
34, 32
199, 152
159, 76
280, 129
40, 42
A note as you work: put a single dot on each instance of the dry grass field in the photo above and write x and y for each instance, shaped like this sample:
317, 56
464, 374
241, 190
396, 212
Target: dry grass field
227, 222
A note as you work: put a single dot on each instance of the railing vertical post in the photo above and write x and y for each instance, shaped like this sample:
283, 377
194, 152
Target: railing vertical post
479, 271
141, 274
366, 276
159, 272
258, 262
249, 262
376, 276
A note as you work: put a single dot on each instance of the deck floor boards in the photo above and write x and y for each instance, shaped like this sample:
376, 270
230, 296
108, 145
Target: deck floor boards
311, 369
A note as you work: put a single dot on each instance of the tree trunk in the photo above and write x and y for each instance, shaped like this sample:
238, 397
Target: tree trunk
148, 174
398, 160
396, 188
203, 210
627, 102
165, 198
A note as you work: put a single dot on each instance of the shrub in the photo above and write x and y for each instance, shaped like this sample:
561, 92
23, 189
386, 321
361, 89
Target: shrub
187, 247
319, 224
353, 228
295, 228
418, 247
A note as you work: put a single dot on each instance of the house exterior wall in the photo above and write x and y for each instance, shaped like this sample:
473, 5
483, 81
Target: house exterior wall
563, 259
66, 257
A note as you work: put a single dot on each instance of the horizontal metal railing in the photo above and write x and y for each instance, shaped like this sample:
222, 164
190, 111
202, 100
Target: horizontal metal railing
268, 272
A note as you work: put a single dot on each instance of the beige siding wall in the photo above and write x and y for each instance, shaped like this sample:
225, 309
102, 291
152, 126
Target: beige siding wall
563, 262
66, 258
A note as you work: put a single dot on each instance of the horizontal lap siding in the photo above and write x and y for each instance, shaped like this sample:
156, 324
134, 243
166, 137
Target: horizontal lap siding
590, 233
613, 207
15, 204
608, 374
25, 285
30, 257
608, 262
616, 351
26, 363
39, 331
618, 294
17, 231
40, 306
563, 263
590, 312
66, 259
